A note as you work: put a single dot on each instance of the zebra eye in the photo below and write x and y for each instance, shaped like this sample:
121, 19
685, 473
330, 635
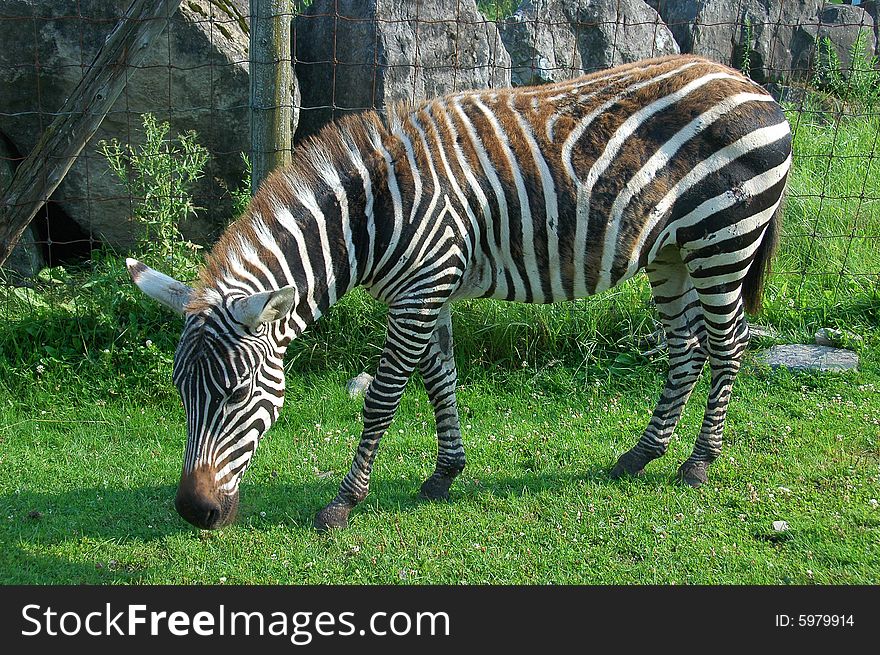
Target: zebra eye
239, 395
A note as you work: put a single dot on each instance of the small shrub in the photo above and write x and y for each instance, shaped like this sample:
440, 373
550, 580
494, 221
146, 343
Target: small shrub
159, 176
497, 9
241, 196
745, 62
860, 84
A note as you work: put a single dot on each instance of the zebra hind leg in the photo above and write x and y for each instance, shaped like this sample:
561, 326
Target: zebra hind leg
439, 374
726, 343
678, 306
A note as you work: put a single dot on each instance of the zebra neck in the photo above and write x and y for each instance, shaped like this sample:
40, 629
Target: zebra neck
313, 224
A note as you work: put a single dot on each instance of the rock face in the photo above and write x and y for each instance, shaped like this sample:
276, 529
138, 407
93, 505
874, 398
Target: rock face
196, 77
552, 40
776, 37
26, 259
388, 51
352, 55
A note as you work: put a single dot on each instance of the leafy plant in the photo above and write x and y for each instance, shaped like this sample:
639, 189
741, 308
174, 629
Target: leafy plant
860, 84
241, 196
299, 6
159, 176
864, 77
745, 62
497, 9
87, 327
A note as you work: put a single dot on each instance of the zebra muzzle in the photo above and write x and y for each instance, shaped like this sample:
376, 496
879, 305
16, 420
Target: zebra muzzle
199, 501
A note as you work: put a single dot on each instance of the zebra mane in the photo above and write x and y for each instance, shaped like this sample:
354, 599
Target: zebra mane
281, 190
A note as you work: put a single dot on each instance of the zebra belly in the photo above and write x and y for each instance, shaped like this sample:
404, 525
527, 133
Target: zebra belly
503, 280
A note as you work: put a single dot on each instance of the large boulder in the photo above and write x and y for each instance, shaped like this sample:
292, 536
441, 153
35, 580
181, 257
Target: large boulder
775, 39
552, 40
353, 55
195, 77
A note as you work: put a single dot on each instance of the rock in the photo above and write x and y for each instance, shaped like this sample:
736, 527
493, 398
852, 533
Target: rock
358, 386
761, 332
832, 337
388, 51
810, 358
841, 25
196, 77
826, 337
26, 259
778, 36
552, 40
780, 526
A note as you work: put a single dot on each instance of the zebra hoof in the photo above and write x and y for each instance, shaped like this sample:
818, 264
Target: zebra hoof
436, 488
628, 464
335, 515
694, 474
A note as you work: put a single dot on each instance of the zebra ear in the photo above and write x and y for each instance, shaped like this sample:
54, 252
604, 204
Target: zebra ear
264, 307
158, 286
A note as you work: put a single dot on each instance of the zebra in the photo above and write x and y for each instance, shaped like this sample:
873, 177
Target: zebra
676, 165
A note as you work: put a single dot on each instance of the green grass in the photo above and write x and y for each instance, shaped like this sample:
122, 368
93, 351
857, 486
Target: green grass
90, 477
832, 219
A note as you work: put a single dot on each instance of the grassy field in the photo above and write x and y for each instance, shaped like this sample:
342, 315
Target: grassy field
92, 434
87, 494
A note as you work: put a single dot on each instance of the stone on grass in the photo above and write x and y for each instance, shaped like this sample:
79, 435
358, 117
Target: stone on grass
833, 337
780, 526
799, 357
761, 332
358, 386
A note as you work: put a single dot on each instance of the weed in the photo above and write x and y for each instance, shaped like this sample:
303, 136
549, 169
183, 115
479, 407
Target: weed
860, 84
497, 9
241, 196
745, 62
159, 176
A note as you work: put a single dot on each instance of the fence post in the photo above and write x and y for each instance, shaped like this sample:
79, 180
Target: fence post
42, 170
271, 73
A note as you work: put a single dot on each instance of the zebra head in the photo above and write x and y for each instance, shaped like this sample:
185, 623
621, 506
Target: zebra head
228, 368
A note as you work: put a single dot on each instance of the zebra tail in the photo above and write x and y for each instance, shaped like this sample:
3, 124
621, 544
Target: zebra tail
759, 271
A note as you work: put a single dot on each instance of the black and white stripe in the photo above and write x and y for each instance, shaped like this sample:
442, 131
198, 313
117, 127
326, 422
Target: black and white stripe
673, 165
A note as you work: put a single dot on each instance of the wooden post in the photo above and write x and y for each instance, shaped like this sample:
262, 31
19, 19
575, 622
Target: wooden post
78, 120
271, 85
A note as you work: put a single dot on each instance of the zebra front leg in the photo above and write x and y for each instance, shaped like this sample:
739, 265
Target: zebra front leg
439, 374
408, 335
679, 309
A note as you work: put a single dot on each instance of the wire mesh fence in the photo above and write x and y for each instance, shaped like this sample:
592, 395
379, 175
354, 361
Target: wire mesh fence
350, 55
